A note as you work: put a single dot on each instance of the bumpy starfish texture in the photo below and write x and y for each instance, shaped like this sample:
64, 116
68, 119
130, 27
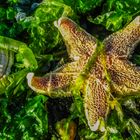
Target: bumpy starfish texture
111, 72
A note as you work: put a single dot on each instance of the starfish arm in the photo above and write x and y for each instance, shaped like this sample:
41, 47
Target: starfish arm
56, 83
79, 43
125, 78
96, 106
123, 42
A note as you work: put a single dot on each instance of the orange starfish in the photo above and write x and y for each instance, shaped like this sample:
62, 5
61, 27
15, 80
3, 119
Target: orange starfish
112, 72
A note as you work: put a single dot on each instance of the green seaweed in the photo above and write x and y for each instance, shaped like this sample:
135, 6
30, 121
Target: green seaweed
26, 115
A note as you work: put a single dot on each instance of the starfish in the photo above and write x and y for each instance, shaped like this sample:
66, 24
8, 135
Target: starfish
112, 72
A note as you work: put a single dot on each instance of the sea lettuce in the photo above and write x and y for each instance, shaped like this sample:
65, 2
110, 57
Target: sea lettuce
83, 6
44, 35
116, 13
28, 122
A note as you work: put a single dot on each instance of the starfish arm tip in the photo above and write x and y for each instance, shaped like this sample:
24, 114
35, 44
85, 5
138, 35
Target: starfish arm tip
30, 75
55, 23
29, 79
58, 22
95, 126
137, 20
